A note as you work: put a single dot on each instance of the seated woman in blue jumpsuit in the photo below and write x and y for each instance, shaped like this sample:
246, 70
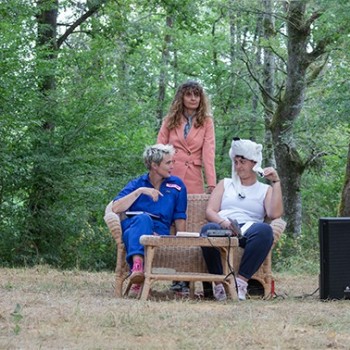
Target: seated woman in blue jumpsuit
152, 203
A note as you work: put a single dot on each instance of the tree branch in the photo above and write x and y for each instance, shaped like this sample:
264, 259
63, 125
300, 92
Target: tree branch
277, 54
315, 15
316, 72
261, 87
313, 157
77, 23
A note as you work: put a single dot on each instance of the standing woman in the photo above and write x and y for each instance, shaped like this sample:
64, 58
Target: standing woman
189, 127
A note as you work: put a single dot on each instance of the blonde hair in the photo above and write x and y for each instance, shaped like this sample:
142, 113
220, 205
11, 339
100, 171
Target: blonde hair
155, 154
176, 110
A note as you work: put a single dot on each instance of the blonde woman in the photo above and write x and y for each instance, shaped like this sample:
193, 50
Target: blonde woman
152, 203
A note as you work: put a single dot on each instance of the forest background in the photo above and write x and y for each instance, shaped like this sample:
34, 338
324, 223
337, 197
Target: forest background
84, 86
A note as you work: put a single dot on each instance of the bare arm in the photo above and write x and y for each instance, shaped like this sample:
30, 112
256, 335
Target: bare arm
125, 203
214, 203
273, 200
180, 225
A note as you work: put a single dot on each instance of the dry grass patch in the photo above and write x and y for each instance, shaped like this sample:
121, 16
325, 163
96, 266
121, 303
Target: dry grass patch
42, 308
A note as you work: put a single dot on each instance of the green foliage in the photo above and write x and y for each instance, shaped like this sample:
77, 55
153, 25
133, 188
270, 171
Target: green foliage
65, 153
297, 255
91, 249
321, 192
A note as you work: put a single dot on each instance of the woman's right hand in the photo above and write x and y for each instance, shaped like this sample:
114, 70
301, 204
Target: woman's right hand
151, 192
226, 224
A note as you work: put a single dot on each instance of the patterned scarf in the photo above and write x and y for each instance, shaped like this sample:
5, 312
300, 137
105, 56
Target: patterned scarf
188, 124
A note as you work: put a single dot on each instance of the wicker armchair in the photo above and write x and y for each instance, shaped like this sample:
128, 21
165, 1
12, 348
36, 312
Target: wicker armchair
192, 255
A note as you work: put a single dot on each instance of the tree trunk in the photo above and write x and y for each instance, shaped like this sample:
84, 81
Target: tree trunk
163, 72
42, 193
46, 175
258, 63
290, 165
268, 81
46, 43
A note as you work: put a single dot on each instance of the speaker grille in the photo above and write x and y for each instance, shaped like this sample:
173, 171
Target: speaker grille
334, 235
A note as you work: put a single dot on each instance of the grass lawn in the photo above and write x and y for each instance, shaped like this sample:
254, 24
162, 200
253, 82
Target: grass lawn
43, 308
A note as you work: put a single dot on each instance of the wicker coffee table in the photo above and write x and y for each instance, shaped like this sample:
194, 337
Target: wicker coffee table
180, 259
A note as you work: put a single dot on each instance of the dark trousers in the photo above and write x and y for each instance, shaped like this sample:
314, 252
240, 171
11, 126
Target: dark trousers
257, 242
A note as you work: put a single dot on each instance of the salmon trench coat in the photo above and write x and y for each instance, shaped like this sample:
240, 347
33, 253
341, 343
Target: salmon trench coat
192, 153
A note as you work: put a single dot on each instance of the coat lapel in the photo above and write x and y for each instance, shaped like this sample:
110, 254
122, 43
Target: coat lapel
180, 135
192, 135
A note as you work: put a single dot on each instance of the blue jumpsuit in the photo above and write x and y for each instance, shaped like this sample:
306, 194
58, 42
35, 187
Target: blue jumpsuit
169, 207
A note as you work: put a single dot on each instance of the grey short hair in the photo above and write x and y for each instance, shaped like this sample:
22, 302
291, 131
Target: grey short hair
155, 154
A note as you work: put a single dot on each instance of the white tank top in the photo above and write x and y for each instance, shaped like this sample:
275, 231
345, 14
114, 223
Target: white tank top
251, 208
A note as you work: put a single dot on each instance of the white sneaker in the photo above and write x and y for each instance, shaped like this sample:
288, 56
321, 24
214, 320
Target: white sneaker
242, 288
219, 292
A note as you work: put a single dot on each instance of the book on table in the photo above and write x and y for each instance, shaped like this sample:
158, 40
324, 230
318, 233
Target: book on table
187, 234
138, 212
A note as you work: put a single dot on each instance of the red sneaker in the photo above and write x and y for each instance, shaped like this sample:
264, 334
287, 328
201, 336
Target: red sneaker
135, 291
137, 276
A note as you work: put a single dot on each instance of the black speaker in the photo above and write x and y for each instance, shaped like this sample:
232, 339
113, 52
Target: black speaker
334, 235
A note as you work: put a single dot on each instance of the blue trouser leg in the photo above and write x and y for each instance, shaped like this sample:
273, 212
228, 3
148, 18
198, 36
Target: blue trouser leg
212, 256
257, 242
133, 228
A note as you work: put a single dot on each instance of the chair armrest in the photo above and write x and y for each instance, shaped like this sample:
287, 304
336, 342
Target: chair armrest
113, 222
278, 227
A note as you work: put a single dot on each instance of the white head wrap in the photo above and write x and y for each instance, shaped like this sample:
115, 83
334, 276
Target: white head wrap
249, 150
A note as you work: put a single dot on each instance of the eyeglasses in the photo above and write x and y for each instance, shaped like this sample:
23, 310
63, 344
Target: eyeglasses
191, 93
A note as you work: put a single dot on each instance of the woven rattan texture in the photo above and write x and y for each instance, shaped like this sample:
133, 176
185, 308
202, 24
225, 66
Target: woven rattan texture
187, 259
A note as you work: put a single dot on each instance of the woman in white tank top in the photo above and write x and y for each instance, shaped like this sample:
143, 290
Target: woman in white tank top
248, 201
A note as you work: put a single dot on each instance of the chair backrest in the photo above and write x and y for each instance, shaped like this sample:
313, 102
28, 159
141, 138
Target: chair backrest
196, 207
186, 259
